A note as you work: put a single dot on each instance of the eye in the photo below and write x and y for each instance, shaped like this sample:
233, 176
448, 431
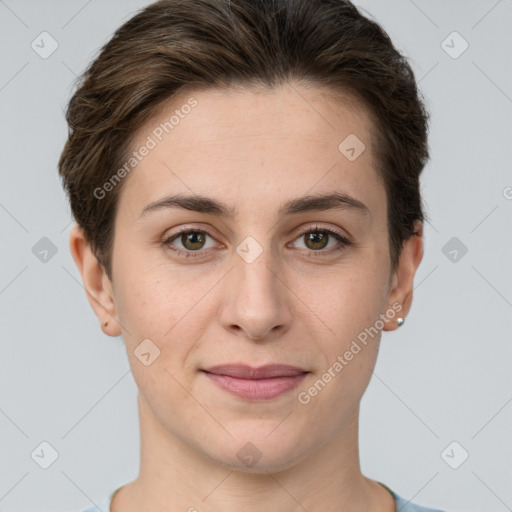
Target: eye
317, 239
191, 240
194, 242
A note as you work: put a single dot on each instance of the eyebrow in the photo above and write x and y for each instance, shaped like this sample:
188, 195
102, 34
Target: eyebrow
202, 204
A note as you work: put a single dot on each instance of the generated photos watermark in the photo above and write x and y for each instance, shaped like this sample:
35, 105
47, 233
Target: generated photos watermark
304, 397
152, 140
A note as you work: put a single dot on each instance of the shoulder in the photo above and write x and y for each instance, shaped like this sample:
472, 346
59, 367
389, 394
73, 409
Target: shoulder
403, 505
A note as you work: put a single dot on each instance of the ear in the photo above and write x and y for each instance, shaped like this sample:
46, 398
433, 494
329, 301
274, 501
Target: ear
403, 279
96, 282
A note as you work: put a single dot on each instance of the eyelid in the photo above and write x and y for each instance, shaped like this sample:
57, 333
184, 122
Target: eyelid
200, 228
316, 226
343, 241
167, 239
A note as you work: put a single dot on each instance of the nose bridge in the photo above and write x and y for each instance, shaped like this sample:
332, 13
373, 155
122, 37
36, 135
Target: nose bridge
254, 273
256, 302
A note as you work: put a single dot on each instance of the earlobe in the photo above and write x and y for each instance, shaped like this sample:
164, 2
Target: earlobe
403, 279
95, 281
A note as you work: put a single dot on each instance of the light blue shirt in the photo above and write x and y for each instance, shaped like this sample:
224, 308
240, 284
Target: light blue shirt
402, 505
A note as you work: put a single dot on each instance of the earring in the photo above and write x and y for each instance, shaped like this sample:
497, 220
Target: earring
400, 322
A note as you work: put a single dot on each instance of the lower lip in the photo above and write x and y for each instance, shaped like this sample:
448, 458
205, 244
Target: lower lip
256, 389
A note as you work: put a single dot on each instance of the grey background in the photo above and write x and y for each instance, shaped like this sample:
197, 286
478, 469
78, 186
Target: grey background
443, 377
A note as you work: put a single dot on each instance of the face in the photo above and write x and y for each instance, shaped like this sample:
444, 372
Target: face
253, 268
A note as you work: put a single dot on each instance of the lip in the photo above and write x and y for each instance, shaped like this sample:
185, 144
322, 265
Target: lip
244, 371
262, 383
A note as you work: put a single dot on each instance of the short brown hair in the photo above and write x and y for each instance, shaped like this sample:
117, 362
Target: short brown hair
176, 44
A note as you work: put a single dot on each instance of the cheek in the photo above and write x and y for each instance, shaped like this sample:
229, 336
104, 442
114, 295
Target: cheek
161, 320
152, 300
172, 309
347, 299
350, 308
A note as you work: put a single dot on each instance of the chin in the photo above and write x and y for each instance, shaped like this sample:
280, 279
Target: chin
259, 453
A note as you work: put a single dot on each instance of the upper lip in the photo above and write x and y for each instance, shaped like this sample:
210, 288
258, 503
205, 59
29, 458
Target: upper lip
243, 371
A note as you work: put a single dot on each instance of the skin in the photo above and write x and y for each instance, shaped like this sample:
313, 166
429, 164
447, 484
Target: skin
253, 150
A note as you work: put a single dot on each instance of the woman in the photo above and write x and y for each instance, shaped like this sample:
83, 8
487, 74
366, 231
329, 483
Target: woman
245, 181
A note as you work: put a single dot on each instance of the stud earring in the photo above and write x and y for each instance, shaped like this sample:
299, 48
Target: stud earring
400, 322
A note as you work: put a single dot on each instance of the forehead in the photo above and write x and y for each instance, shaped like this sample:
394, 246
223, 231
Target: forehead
285, 142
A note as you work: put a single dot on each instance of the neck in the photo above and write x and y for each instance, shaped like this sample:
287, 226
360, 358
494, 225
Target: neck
176, 476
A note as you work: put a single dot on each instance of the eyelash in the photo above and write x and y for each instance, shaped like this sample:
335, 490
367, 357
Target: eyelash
343, 242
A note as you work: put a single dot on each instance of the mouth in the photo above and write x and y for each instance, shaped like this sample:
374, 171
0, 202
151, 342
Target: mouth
262, 383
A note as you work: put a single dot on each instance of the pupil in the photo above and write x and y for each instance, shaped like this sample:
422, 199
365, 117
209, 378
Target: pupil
318, 239
192, 239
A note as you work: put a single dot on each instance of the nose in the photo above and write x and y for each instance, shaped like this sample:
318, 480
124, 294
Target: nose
256, 300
